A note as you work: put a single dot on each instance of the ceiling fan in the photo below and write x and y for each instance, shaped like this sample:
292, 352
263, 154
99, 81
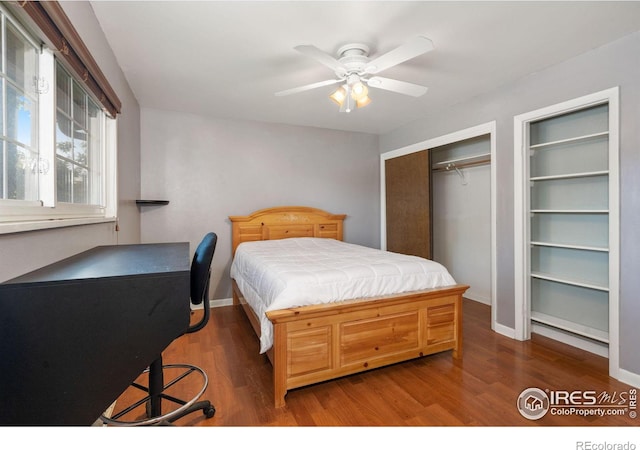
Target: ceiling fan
356, 72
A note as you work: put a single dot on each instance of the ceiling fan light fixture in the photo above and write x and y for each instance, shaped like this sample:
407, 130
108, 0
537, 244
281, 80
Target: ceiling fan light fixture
363, 101
339, 95
354, 94
359, 91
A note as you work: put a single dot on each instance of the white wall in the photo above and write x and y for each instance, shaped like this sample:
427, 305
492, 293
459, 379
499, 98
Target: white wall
23, 252
210, 169
615, 64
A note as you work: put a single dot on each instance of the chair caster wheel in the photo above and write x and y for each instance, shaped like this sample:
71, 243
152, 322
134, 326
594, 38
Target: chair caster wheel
209, 412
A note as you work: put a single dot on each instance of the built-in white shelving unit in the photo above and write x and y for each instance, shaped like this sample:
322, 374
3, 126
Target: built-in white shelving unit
569, 222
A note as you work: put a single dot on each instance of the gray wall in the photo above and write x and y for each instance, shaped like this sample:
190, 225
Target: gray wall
615, 64
210, 169
23, 252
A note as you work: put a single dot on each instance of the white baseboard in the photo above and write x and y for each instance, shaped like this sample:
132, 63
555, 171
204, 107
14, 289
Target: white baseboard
630, 378
477, 298
216, 303
220, 302
504, 330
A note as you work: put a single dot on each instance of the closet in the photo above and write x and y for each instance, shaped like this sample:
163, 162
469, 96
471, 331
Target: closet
437, 203
567, 272
461, 212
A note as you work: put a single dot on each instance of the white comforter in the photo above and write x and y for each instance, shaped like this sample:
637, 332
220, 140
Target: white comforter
303, 271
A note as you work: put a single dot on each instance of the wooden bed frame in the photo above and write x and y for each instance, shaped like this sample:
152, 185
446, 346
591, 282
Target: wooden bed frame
321, 342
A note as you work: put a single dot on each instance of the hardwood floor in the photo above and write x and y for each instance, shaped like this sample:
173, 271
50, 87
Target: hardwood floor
481, 389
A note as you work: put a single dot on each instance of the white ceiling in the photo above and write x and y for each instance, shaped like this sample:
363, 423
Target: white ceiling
226, 59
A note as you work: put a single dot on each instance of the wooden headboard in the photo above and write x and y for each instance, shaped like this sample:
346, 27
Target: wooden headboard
285, 222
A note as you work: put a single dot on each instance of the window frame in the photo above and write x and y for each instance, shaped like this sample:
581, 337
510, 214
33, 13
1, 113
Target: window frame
48, 212
29, 93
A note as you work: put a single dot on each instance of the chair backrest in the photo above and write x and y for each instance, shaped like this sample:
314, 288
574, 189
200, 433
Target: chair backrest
201, 267
200, 275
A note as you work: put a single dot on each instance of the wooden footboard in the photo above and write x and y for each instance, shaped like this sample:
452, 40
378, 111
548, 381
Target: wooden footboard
322, 342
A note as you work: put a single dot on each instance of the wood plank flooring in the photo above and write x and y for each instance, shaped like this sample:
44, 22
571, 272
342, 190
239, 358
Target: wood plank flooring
481, 389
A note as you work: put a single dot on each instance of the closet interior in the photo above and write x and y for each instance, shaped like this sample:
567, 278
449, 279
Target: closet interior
461, 212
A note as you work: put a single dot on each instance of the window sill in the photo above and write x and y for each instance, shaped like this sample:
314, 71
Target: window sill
19, 227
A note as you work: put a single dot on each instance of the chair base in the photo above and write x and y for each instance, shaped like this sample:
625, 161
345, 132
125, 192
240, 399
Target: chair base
157, 392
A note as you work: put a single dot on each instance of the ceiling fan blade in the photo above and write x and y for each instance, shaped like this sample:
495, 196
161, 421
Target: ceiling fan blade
306, 87
322, 57
415, 47
401, 87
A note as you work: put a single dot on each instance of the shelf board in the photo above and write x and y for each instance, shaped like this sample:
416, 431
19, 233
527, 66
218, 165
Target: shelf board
567, 176
151, 202
542, 276
569, 211
571, 327
573, 139
570, 246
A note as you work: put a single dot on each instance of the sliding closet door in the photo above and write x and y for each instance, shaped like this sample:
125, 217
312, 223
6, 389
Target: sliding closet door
408, 199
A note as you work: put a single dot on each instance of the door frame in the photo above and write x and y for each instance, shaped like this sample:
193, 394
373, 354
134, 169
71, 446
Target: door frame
451, 138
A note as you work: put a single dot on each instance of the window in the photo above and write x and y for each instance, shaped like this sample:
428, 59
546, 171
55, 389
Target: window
78, 131
57, 143
19, 115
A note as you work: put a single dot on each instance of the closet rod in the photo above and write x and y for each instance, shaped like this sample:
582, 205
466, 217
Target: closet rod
452, 165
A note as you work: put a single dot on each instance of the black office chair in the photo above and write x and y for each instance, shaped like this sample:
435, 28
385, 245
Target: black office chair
156, 390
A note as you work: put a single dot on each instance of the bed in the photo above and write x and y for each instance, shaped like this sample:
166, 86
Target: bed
350, 330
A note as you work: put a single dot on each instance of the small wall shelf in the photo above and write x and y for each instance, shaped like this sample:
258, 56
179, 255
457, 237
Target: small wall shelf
152, 202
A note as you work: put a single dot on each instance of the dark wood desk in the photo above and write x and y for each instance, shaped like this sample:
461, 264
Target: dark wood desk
75, 334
